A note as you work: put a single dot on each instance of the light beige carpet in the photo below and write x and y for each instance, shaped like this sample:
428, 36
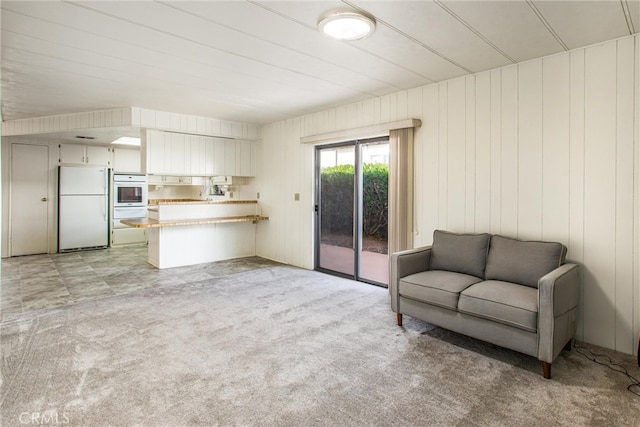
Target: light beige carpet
282, 346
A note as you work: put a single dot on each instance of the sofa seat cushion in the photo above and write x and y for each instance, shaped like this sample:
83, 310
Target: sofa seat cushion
436, 287
504, 302
460, 253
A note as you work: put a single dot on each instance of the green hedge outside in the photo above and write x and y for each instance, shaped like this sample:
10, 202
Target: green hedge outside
337, 199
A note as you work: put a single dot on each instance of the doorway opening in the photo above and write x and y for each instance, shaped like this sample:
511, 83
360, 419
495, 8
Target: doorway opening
352, 210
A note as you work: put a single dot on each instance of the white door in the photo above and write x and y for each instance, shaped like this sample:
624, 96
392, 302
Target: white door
29, 199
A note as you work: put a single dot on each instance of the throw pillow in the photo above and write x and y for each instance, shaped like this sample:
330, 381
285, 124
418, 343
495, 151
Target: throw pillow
522, 262
460, 253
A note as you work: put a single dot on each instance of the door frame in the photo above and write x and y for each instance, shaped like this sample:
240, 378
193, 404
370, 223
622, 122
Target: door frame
357, 204
50, 200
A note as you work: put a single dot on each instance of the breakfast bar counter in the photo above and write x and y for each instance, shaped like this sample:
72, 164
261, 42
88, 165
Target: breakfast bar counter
197, 231
152, 223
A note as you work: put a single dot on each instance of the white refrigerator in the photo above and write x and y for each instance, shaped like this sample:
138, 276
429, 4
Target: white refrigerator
83, 196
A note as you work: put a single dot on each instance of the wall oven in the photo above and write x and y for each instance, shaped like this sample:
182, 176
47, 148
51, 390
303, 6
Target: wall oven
129, 201
129, 190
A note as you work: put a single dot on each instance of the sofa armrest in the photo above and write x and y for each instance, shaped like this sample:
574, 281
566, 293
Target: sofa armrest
557, 302
403, 264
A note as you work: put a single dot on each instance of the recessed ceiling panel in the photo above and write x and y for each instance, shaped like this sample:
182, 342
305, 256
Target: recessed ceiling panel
396, 48
436, 29
163, 21
261, 61
387, 52
309, 44
584, 23
168, 67
305, 12
512, 26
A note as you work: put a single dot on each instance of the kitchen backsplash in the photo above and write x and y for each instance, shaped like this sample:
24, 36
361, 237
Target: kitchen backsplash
246, 191
176, 192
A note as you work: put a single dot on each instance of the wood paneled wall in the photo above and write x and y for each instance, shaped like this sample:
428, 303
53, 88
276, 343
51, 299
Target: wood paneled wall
546, 149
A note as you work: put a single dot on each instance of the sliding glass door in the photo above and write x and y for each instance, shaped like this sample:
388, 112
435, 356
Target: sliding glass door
335, 220
374, 212
352, 210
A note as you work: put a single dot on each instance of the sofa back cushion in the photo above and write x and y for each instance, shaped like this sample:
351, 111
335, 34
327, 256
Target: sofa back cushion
460, 253
522, 262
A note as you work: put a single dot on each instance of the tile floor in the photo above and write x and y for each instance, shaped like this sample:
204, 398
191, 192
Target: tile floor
43, 281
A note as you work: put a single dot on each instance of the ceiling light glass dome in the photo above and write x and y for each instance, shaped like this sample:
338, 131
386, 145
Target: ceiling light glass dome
346, 25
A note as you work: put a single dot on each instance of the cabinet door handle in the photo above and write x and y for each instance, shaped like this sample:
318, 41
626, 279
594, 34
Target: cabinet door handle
44, 199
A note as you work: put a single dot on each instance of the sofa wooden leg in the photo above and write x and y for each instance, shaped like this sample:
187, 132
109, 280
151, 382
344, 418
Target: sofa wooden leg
399, 319
546, 370
567, 346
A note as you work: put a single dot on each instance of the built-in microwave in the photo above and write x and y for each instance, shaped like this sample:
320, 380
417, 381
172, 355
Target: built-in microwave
129, 190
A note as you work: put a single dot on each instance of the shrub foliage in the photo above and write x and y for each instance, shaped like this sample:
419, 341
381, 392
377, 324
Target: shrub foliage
337, 199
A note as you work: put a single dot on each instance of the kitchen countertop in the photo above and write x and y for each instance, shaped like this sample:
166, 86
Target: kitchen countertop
153, 223
154, 202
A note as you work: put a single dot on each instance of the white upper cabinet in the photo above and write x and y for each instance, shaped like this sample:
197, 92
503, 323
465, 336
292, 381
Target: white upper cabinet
177, 154
239, 158
218, 156
179, 160
245, 158
198, 155
100, 156
78, 154
229, 166
153, 153
126, 160
210, 156
73, 154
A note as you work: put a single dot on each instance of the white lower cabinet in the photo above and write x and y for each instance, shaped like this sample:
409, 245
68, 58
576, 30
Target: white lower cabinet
196, 244
128, 236
200, 242
124, 235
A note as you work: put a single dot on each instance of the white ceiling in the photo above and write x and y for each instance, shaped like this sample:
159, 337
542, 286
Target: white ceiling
262, 61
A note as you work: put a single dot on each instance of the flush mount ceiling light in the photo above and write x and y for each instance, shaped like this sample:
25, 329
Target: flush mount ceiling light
346, 25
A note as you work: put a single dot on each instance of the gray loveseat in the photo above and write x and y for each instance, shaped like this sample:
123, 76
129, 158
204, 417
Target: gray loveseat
516, 294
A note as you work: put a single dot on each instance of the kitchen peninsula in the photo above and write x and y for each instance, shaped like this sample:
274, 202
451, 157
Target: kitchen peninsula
187, 232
